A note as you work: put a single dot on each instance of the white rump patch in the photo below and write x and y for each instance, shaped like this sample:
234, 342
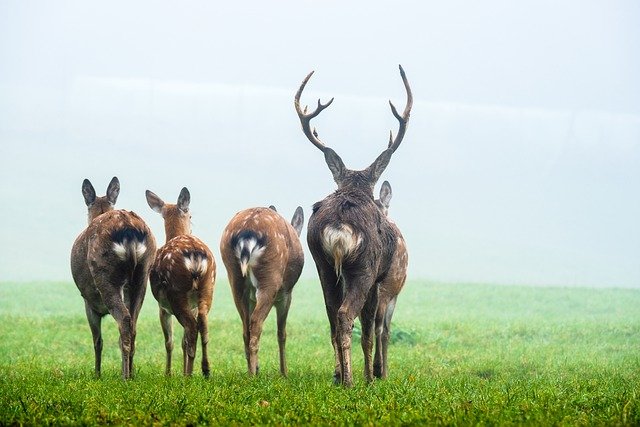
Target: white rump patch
196, 264
125, 249
140, 248
121, 251
341, 238
339, 242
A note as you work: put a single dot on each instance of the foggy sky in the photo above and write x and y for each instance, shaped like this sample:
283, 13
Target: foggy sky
521, 163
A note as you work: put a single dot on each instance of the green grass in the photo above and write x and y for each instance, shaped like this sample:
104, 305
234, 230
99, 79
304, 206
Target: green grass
461, 354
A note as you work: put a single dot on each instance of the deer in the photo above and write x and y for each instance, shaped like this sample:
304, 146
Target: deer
182, 281
110, 263
263, 258
388, 289
351, 241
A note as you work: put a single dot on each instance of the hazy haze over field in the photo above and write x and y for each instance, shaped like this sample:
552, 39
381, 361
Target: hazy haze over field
521, 163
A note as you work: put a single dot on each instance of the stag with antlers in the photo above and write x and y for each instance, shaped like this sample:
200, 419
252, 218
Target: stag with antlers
351, 241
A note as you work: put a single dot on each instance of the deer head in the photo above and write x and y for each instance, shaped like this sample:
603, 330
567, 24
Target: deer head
177, 218
99, 205
385, 198
344, 177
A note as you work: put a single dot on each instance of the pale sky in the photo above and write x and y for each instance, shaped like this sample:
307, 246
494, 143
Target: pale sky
521, 163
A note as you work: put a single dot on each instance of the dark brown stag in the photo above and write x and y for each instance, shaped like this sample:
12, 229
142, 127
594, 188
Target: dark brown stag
351, 241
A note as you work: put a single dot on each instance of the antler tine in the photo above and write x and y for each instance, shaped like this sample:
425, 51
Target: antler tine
404, 118
305, 119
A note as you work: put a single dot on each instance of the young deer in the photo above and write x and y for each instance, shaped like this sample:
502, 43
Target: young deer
110, 263
388, 289
264, 259
351, 241
182, 280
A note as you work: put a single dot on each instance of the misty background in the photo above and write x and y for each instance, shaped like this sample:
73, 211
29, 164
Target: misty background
521, 162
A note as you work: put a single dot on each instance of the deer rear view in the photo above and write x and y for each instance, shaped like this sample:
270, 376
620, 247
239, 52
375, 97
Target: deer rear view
263, 257
388, 289
182, 281
351, 241
110, 263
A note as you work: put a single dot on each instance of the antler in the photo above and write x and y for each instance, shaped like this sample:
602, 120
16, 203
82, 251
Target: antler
305, 119
404, 119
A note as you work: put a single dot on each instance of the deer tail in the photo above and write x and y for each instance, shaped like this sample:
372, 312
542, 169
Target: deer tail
248, 246
129, 244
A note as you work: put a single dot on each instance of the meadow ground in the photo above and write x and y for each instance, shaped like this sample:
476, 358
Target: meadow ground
461, 354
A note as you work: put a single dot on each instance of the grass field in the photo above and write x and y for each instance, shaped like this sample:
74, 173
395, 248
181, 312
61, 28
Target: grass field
461, 354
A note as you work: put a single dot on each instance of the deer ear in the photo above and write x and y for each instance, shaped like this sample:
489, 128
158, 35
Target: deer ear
113, 190
154, 201
184, 199
379, 165
273, 208
298, 220
385, 194
88, 192
336, 166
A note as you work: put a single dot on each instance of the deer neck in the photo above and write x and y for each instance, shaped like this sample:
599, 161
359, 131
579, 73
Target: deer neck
176, 228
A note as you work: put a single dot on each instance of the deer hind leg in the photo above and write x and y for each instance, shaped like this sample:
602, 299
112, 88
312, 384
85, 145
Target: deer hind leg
180, 307
367, 320
378, 358
282, 311
354, 301
245, 308
386, 333
239, 289
265, 297
137, 290
95, 323
166, 321
204, 338
113, 299
205, 297
333, 295
202, 321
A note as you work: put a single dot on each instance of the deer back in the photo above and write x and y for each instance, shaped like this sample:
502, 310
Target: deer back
397, 274
266, 242
349, 229
185, 263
